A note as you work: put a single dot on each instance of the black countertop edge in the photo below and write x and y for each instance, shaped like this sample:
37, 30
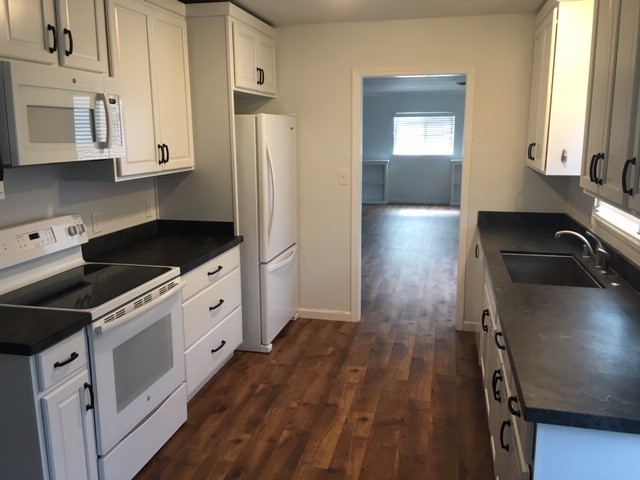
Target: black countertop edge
29, 331
583, 420
617, 261
127, 236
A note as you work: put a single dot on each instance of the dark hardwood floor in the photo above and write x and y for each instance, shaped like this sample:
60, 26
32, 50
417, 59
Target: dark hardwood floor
395, 396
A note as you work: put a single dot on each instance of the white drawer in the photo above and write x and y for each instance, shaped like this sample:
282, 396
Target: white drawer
61, 360
209, 307
211, 272
212, 351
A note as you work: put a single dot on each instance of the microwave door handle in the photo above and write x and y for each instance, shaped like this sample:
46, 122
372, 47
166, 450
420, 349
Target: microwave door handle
101, 97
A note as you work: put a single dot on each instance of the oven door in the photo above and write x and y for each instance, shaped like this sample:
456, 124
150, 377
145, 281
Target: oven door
137, 362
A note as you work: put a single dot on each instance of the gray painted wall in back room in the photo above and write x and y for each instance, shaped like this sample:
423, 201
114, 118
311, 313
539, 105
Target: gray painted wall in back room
411, 179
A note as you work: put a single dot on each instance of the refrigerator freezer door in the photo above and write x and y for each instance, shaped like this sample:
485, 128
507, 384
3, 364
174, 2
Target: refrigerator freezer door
277, 184
279, 294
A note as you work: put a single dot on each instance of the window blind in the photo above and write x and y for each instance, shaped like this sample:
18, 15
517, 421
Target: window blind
423, 134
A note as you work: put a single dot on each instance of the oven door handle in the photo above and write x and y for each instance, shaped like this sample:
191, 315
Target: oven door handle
104, 328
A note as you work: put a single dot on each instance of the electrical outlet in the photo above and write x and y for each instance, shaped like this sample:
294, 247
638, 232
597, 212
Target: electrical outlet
343, 176
96, 220
148, 210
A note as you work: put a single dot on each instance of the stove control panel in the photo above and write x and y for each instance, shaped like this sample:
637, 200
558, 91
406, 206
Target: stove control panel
34, 240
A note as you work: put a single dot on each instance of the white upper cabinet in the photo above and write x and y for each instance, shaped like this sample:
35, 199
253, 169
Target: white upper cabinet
71, 33
149, 61
254, 60
608, 170
559, 87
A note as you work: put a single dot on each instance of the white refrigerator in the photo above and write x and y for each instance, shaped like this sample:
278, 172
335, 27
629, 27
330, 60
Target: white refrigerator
266, 169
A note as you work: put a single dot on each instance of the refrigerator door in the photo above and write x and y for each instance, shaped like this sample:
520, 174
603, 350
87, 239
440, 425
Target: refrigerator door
279, 294
277, 184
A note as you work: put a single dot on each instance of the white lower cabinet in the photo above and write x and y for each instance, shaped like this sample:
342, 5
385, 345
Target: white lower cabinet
46, 414
212, 317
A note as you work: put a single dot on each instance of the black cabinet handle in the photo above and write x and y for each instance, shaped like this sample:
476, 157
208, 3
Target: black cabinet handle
68, 33
73, 356
222, 344
477, 252
215, 271
88, 386
497, 377
591, 164
530, 151
597, 180
217, 305
161, 161
505, 424
501, 347
485, 314
510, 404
625, 171
168, 157
52, 29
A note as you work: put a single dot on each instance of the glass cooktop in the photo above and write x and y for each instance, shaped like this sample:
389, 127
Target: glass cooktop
83, 287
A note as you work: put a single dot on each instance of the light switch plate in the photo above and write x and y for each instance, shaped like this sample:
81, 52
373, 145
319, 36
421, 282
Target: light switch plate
1, 190
343, 176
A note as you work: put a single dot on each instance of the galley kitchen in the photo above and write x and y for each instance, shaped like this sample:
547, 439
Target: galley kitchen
188, 198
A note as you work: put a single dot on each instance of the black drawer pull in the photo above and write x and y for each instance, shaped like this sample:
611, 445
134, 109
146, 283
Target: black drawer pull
88, 386
217, 270
625, 171
222, 344
530, 151
500, 346
68, 33
485, 314
52, 29
73, 356
513, 400
477, 252
218, 305
497, 377
505, 424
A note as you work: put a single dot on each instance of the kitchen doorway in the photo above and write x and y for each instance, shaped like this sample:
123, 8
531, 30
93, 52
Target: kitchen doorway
373, 83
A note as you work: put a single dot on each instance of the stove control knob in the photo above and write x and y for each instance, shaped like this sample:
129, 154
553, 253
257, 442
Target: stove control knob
72, 230
81, 228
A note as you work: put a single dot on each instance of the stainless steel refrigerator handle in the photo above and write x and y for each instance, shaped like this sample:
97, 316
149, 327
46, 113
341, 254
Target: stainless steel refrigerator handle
103, 98
283, 263
273, 192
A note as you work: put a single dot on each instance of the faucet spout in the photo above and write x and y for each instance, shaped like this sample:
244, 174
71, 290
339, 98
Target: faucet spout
587, 251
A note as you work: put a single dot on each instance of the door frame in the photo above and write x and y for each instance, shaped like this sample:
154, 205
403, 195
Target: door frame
356, 176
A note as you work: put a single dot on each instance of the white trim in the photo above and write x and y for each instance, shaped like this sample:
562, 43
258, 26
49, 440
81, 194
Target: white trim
356, 176
325, 315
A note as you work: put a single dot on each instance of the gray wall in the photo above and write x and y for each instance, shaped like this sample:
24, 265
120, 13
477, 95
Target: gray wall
412, 179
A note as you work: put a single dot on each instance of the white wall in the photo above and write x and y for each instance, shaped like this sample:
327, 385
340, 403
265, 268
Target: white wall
42, 191
412, 179
315, 67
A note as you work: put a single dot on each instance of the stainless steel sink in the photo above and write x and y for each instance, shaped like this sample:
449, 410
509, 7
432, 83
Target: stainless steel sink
547, 269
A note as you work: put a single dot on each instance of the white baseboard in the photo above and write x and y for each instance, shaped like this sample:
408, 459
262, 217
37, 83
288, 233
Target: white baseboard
326, 315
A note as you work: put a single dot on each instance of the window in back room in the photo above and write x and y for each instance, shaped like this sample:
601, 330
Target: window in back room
423, 133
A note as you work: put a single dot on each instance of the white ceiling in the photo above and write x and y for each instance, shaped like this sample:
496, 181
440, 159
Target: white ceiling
431, 83
294, 12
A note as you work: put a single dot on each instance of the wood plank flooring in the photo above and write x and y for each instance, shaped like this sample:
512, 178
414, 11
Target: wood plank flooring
395, 396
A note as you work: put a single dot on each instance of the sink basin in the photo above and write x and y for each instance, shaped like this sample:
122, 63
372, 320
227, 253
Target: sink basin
547, 269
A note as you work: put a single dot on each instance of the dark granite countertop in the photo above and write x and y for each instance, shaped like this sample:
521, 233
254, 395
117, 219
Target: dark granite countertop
574, 352
27, 331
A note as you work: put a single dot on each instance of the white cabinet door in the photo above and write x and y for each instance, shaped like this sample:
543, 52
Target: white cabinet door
82, 35
69, 431
254, 63
540, 102
149, 58
28, 30
173, 97
611, 112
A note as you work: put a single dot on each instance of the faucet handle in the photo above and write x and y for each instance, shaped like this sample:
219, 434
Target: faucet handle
602, 260
598, 242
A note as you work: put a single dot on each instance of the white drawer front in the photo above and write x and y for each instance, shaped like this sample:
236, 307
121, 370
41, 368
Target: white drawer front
209, 307
207, 355
61, 360
211, 272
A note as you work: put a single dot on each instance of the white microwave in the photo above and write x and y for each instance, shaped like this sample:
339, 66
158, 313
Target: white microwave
56, 115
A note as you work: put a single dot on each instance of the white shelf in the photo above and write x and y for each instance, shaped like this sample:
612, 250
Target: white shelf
456, 181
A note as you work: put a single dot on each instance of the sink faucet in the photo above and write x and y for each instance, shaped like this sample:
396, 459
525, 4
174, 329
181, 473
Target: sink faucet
602, 256
587, 251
